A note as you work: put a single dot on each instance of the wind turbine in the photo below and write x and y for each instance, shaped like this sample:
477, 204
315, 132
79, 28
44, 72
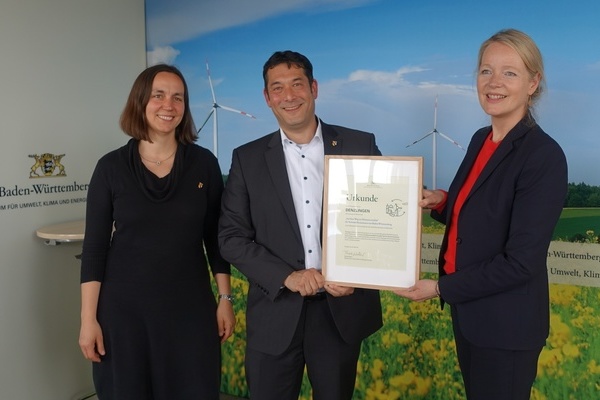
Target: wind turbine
213, 113
434, 133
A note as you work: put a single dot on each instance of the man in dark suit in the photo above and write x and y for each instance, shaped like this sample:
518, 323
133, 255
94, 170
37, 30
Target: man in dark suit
270, 230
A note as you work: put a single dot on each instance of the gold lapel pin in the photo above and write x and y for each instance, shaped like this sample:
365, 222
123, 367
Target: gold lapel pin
334, 143
200, 185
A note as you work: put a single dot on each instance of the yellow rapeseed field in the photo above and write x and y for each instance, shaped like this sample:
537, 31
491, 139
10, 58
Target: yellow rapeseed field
413, 356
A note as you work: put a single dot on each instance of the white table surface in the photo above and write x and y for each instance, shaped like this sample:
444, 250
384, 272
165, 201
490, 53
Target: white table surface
72, 231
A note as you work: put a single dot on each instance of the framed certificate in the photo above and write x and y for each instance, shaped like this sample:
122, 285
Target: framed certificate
372, 221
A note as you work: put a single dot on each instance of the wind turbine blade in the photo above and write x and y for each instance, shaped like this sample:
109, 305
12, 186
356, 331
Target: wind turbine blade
212, 90
424, 137
451, 140
236, 111
212, 110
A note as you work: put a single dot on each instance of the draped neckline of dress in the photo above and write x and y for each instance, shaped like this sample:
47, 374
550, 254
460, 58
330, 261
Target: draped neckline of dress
154, 188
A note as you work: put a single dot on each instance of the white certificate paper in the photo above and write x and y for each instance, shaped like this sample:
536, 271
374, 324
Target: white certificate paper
372, 221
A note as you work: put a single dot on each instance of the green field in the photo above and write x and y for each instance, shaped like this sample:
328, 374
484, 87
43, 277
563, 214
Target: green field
573, 221
577, 221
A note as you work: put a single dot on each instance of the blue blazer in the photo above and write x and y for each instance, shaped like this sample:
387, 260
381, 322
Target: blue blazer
259, 235
500, 288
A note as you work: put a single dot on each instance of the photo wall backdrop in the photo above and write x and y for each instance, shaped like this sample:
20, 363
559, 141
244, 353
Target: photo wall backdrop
402, 70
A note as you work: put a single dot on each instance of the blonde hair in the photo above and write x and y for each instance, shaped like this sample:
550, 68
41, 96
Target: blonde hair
526, 49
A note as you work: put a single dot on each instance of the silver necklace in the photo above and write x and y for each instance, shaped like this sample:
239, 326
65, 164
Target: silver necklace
158, 162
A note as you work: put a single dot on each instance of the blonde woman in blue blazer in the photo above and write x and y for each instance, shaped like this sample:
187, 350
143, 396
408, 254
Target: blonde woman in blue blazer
500, 212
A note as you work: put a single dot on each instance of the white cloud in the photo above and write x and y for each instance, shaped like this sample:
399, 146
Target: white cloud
384, 88
384, 77
166, 54
398, 106
192, 18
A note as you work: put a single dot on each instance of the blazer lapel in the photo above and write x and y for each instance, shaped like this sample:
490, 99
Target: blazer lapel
332, 141
465, 167
277, 170
507, 145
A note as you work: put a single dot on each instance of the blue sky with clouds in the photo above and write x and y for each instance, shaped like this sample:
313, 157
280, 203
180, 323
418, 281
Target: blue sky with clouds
380, 65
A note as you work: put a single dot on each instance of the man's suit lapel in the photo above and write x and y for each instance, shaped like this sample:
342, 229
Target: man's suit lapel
332, 144
332, 141
276, 165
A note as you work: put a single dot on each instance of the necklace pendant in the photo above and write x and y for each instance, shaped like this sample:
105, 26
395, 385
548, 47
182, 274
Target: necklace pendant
159, 162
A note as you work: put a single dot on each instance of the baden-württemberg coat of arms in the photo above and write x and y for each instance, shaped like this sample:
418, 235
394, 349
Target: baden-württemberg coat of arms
48, 165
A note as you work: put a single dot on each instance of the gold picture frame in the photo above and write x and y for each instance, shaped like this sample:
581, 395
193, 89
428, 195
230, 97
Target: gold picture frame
372, 221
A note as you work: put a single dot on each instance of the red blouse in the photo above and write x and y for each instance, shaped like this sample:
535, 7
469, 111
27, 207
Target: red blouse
483, 157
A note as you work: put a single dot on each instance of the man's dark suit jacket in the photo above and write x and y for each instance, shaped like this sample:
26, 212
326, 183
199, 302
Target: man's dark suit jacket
259, 235
500, 288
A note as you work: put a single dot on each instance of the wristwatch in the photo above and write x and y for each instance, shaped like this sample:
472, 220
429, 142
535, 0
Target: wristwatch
226, 297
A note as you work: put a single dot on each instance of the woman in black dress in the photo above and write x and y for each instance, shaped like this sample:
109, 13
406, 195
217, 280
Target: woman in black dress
149, 319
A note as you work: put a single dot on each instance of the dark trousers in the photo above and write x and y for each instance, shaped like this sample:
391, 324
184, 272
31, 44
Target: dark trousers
317, 344
495, 374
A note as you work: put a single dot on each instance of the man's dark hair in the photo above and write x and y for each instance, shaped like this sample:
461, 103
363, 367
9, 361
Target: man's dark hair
291, 58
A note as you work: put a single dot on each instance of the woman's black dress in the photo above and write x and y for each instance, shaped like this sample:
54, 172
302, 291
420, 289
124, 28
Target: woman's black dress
156, 307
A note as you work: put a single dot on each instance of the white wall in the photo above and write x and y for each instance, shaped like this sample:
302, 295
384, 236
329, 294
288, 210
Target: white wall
65, 71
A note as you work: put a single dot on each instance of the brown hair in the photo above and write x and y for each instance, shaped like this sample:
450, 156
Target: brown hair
526, 49
133, 118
